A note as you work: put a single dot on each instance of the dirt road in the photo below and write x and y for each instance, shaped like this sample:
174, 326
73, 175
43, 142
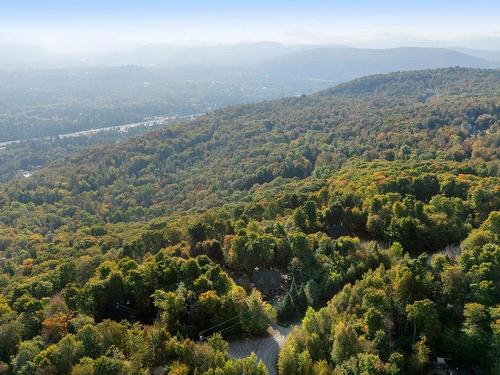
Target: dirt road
266, 348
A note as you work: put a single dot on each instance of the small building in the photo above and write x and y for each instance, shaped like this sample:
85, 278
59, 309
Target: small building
268, 282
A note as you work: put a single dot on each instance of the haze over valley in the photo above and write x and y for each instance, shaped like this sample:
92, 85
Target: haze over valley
165, 81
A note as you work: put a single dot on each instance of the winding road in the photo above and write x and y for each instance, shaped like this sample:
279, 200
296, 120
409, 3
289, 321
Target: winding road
266, 348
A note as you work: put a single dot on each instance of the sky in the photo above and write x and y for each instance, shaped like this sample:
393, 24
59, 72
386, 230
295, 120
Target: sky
70, 26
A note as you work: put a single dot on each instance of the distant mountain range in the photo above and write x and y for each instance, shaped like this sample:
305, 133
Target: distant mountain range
341, 64
251, 54
278, 63
173, 56
488, 55
268, 54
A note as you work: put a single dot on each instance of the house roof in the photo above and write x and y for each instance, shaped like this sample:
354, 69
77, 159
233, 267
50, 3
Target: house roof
266, 279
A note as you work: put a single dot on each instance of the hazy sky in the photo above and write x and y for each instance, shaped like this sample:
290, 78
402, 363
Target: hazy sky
71, 25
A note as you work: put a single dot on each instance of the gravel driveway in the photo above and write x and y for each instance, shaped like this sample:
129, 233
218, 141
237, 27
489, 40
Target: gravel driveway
266, 348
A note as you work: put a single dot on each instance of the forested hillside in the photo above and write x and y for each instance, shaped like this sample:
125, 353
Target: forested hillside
379, 198
429, 115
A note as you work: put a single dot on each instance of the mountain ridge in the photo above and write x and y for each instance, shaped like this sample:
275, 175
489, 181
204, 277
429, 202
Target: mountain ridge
348, 63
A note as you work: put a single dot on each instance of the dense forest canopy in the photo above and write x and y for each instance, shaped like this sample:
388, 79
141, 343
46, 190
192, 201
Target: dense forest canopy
379, 198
